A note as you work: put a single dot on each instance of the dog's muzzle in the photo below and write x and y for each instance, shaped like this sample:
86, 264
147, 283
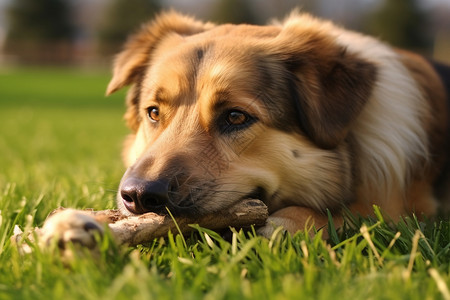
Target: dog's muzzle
140, 196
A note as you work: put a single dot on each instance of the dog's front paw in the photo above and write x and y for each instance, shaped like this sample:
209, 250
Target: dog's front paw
70, 226
272, 224
295, 218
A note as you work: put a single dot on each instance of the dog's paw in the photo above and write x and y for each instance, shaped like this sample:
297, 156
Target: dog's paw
293, 219
70, 226
272, 224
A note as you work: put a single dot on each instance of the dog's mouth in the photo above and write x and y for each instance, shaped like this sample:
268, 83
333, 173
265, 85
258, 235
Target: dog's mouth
257, 193
185, 207
138, 196
197, 205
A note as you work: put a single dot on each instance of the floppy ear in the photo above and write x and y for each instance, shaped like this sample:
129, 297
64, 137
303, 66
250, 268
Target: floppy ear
133, 60
330, 85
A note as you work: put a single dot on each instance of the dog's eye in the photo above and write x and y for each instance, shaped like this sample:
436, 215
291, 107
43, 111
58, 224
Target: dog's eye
153, 113
235, 120
236, 117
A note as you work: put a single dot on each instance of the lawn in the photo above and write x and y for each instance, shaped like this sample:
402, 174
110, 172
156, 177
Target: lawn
60, 141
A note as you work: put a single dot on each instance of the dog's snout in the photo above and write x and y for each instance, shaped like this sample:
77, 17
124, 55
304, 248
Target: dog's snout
141, 196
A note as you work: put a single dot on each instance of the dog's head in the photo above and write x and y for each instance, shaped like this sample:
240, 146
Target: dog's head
223, 113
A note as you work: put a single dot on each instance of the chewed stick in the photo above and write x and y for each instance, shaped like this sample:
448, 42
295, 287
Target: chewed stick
144, 228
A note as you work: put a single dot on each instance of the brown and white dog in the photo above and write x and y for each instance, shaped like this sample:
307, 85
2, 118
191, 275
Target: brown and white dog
304, 115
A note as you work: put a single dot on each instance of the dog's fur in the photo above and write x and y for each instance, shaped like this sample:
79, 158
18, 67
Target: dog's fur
301, 114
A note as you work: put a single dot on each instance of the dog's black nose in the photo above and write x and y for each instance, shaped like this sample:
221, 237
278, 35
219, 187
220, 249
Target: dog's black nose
141, 196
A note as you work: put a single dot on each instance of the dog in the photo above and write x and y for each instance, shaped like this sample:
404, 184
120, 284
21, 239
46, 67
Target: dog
302, 114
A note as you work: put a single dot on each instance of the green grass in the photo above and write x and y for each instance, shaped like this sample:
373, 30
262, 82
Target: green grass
60, 143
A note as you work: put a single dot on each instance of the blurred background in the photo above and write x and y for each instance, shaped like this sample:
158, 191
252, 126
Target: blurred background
88, 32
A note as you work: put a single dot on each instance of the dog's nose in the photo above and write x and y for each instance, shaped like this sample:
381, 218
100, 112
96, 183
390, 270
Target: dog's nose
141, 196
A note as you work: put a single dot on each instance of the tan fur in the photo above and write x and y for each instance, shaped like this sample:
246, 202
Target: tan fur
338, 119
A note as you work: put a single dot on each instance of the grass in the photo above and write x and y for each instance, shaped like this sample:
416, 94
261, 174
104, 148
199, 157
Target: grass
60, 143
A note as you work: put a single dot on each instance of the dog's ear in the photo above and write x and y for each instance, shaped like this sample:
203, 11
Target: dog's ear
330, 85
134, 58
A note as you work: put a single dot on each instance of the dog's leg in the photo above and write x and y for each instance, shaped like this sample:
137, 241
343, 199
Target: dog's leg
295, 218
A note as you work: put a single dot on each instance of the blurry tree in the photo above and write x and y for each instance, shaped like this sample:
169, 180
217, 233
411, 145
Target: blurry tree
233, 11
402, 23
36, 27
121, 18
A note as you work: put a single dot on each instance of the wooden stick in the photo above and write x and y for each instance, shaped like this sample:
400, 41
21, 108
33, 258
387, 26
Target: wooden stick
144, 228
